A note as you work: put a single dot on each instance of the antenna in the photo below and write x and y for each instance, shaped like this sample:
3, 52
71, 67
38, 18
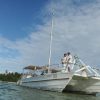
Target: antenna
50, 51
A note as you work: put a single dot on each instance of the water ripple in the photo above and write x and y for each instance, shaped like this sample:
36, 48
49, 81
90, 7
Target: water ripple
10, 91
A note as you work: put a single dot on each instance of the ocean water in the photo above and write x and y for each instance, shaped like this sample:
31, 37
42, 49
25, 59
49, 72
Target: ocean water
10, 91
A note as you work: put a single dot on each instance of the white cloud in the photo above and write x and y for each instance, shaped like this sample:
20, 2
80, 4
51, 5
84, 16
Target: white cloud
76, 29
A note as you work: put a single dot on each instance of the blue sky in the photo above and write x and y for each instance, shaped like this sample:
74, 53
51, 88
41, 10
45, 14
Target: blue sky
17, 16
25, 27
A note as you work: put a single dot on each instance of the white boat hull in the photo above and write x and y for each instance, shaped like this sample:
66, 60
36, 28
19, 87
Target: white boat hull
88, 85
63, 82
53, 82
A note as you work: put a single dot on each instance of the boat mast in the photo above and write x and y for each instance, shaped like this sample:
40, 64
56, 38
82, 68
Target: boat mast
50, 48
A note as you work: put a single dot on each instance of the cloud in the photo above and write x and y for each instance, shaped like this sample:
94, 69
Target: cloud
76, 29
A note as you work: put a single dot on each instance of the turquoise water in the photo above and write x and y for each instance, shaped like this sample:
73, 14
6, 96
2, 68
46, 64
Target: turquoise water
9, 91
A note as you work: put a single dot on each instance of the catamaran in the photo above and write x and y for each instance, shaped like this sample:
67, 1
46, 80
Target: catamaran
81, 78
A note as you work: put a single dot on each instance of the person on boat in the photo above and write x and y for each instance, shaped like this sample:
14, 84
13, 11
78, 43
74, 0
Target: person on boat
64, 60
69, 61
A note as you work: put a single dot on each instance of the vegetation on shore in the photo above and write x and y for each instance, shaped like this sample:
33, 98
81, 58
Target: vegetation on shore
10, 77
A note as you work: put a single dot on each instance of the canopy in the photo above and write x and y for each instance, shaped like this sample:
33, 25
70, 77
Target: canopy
31, 67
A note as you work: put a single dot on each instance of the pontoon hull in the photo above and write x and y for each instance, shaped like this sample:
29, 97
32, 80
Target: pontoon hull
87, 85
53, 82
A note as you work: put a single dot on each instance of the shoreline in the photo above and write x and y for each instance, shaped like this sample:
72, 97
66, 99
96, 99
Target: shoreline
7, 82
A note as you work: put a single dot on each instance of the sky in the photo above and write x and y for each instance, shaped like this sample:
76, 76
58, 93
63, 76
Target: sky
25, 27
